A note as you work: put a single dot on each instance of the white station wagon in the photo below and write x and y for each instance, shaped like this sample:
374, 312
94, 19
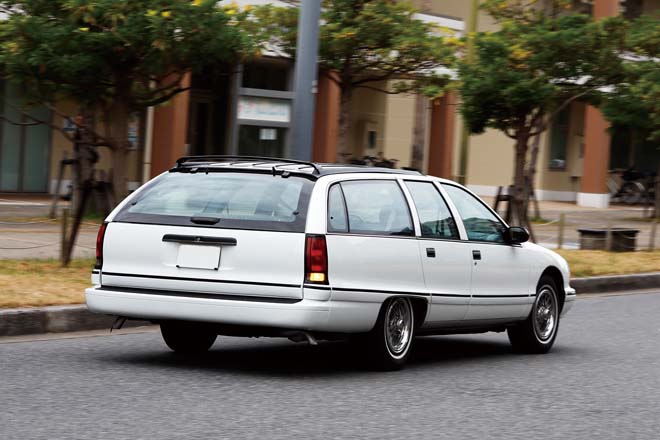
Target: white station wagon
244, 246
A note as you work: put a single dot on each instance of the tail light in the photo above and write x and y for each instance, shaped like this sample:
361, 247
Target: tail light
316, 260
99, 246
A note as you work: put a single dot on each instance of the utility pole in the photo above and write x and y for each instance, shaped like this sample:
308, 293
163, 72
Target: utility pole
469, 57
305, 80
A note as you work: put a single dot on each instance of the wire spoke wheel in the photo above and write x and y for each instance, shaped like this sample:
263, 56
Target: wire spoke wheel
545, 314
398, 326
538, 332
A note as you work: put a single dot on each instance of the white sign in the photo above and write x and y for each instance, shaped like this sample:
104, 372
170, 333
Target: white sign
267, 134
264, 109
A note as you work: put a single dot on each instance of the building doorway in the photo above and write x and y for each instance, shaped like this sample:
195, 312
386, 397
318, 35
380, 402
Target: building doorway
254, 140
208, 117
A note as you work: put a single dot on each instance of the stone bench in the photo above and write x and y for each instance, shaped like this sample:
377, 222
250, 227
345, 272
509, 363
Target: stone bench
623, 239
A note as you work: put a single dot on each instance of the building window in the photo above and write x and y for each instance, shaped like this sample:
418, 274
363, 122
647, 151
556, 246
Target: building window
268, 76
24, 150
559, 136
632, 9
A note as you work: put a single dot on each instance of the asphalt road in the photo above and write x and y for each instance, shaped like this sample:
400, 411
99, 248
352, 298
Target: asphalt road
602, 381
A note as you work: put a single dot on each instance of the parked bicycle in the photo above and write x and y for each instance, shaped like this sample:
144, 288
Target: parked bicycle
374, 161
631, 186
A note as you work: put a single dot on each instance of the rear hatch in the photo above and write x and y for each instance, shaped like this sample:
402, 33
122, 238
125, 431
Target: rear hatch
211, 232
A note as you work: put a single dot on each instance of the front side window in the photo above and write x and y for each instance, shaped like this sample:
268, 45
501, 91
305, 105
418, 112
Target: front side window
238, 200
480, 223
375, 207
434, 215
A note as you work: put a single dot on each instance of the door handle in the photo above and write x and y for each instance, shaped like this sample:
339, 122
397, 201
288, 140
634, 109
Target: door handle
430, 252
476, 255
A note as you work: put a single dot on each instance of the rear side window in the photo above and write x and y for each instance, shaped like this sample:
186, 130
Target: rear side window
337, 221
374, 207
238, 200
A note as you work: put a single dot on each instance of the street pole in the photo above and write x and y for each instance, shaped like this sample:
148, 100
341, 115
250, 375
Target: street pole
469, 57
305, 80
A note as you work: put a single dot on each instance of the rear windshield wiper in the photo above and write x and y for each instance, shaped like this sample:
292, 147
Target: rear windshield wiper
204, 220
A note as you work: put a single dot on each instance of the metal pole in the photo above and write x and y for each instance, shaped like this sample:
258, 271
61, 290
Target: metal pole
305, 80
465, 133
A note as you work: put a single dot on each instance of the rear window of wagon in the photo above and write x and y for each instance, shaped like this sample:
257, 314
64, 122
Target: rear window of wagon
240, 200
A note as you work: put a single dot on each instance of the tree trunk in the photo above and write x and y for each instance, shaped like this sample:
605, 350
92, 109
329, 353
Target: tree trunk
518, 214
344, 149
118, 138
531, 174
657, 193
419, 129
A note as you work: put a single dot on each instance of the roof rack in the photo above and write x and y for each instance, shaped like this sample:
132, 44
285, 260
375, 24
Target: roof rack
238, 158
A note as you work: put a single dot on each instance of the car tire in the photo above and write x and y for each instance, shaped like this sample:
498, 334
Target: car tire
389, 343
187, 337
538, 332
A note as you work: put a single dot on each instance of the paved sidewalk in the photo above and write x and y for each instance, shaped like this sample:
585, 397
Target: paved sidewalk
25, 232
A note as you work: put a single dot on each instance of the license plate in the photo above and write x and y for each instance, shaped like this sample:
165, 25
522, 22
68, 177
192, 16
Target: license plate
198, 257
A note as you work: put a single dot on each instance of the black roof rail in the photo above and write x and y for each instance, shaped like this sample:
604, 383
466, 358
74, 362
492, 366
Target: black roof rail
227, 158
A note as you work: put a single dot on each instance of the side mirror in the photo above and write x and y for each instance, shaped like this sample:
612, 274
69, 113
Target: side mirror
516, 235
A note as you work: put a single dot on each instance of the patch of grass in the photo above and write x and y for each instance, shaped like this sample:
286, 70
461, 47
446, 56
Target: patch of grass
35, 283
593, 263
539, 220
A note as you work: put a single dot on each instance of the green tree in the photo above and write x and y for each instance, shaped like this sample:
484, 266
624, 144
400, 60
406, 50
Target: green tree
115, 57
364, 42
635, 102
539, 61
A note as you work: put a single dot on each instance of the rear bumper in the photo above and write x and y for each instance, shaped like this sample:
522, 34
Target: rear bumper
306, 314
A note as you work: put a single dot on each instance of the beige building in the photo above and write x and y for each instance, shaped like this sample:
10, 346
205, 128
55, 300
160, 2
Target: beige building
248, 111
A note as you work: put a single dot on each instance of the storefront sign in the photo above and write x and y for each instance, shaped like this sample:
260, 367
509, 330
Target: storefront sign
264, 109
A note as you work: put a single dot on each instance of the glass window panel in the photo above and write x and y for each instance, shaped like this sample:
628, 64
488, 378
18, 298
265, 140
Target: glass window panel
336, 211
480, 223
239, 200
434, 215
36, 152
376, 207
261, 141
10, 148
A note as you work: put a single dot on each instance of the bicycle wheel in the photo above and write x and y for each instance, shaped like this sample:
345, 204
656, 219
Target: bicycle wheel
632, 193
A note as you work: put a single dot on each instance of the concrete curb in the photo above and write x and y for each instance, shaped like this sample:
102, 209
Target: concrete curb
615, 283
55, 319
60, 319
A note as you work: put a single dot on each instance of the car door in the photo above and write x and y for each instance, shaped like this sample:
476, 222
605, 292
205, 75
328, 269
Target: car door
446, 261
372, 248
500, 285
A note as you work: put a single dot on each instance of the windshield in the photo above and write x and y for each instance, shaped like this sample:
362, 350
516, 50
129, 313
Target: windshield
238, 200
